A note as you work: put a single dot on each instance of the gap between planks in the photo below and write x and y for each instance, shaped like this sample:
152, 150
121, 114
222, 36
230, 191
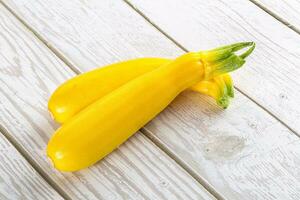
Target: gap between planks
182, 164
60, 56
186, 50
273, 14
71, 60
31, 161
145, 132
12, 140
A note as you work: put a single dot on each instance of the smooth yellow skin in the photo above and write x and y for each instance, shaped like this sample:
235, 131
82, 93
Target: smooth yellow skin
79, 92
82, 90
219, 87
104, 125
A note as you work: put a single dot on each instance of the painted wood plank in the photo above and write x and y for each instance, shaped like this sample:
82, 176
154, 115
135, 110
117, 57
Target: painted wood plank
271, 76
242, 152
18, 180
29, 72
288, 10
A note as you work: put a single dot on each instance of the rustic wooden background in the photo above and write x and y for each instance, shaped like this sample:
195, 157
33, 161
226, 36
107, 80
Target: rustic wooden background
193, 149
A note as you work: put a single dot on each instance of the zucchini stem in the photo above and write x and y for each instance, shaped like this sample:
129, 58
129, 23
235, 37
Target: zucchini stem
224, 59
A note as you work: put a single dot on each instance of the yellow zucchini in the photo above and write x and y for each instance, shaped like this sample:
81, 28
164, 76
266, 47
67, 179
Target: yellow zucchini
220, 88
82, 90
108, 122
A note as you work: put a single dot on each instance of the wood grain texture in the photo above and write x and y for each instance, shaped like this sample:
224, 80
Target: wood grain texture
288, 10
271, 75
29, 72
105, 31
18, 180
269, 78
242, 152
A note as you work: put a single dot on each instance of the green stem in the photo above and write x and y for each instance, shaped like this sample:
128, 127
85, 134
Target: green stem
224, 59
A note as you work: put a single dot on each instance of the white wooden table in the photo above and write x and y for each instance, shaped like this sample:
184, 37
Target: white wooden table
193, 149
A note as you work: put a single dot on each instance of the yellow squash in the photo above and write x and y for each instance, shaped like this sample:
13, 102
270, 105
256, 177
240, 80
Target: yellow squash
108, 122
82, 90
220, 88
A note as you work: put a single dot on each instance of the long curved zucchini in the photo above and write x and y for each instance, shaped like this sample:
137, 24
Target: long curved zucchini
108, 122
79, 92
